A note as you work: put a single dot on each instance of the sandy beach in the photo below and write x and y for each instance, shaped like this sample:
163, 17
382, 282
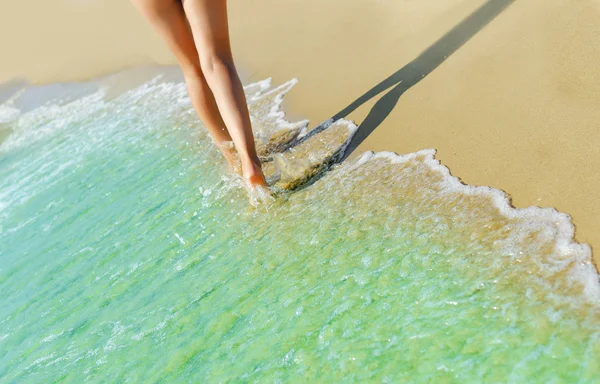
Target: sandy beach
516, 107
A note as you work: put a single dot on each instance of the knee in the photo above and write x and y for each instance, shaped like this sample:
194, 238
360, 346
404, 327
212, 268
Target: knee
213, 63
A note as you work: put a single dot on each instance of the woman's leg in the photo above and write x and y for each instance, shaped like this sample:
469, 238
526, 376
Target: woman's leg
208, 21
169, 20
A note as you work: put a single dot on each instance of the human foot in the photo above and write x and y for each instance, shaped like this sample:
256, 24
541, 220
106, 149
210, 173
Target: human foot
230, 154
255, 182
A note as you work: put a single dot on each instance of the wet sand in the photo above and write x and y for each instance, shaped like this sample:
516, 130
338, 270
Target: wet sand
517, 107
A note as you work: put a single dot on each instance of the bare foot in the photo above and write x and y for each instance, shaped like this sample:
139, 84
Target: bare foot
230, 154
253, 173
255, 182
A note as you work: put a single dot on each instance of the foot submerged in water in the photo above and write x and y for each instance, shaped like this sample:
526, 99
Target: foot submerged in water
231, 156
250, 170
256, 185
259, 194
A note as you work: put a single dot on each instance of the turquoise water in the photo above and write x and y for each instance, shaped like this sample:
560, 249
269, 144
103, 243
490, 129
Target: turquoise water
128, 254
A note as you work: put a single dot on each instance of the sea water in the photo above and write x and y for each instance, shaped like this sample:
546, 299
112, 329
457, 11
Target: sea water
128, 254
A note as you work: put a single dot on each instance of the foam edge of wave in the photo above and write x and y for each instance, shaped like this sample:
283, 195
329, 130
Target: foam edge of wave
276, 111
584, 270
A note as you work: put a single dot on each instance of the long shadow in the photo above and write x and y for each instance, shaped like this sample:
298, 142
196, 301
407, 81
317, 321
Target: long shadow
413, 72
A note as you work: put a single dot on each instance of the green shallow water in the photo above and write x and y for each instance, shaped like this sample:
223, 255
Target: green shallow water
127, 255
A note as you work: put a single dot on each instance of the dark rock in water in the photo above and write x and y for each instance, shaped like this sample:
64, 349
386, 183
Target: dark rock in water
278, 142
292, 154
299, 164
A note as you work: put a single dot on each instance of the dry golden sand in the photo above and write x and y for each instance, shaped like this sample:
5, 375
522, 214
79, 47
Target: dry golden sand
516, 108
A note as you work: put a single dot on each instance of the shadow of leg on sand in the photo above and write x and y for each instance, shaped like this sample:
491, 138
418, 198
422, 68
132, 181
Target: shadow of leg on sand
412, 73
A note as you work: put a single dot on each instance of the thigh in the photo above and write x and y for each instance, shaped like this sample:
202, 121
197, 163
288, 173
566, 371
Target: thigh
210, 28
169, 20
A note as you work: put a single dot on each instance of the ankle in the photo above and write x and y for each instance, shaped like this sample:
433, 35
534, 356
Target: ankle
252, 171
250, 162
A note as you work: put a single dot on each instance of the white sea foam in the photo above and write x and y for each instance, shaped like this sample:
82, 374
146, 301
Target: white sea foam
179, 238
313, 252
8, 114
568, 255
40, 360
156, 328
118, 329
43, 121
254, 90
260, 195
52, 337
269, 118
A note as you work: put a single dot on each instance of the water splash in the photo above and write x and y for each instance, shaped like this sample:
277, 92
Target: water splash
128, 253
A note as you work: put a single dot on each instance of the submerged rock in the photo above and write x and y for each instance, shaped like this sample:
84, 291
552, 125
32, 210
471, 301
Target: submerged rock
277, 142
299, 164
292, 154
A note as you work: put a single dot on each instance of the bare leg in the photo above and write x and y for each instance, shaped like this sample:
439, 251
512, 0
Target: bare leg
208, 21
169, 20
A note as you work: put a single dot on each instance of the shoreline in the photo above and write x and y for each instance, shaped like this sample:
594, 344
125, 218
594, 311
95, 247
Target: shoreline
128, 78
515, 108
